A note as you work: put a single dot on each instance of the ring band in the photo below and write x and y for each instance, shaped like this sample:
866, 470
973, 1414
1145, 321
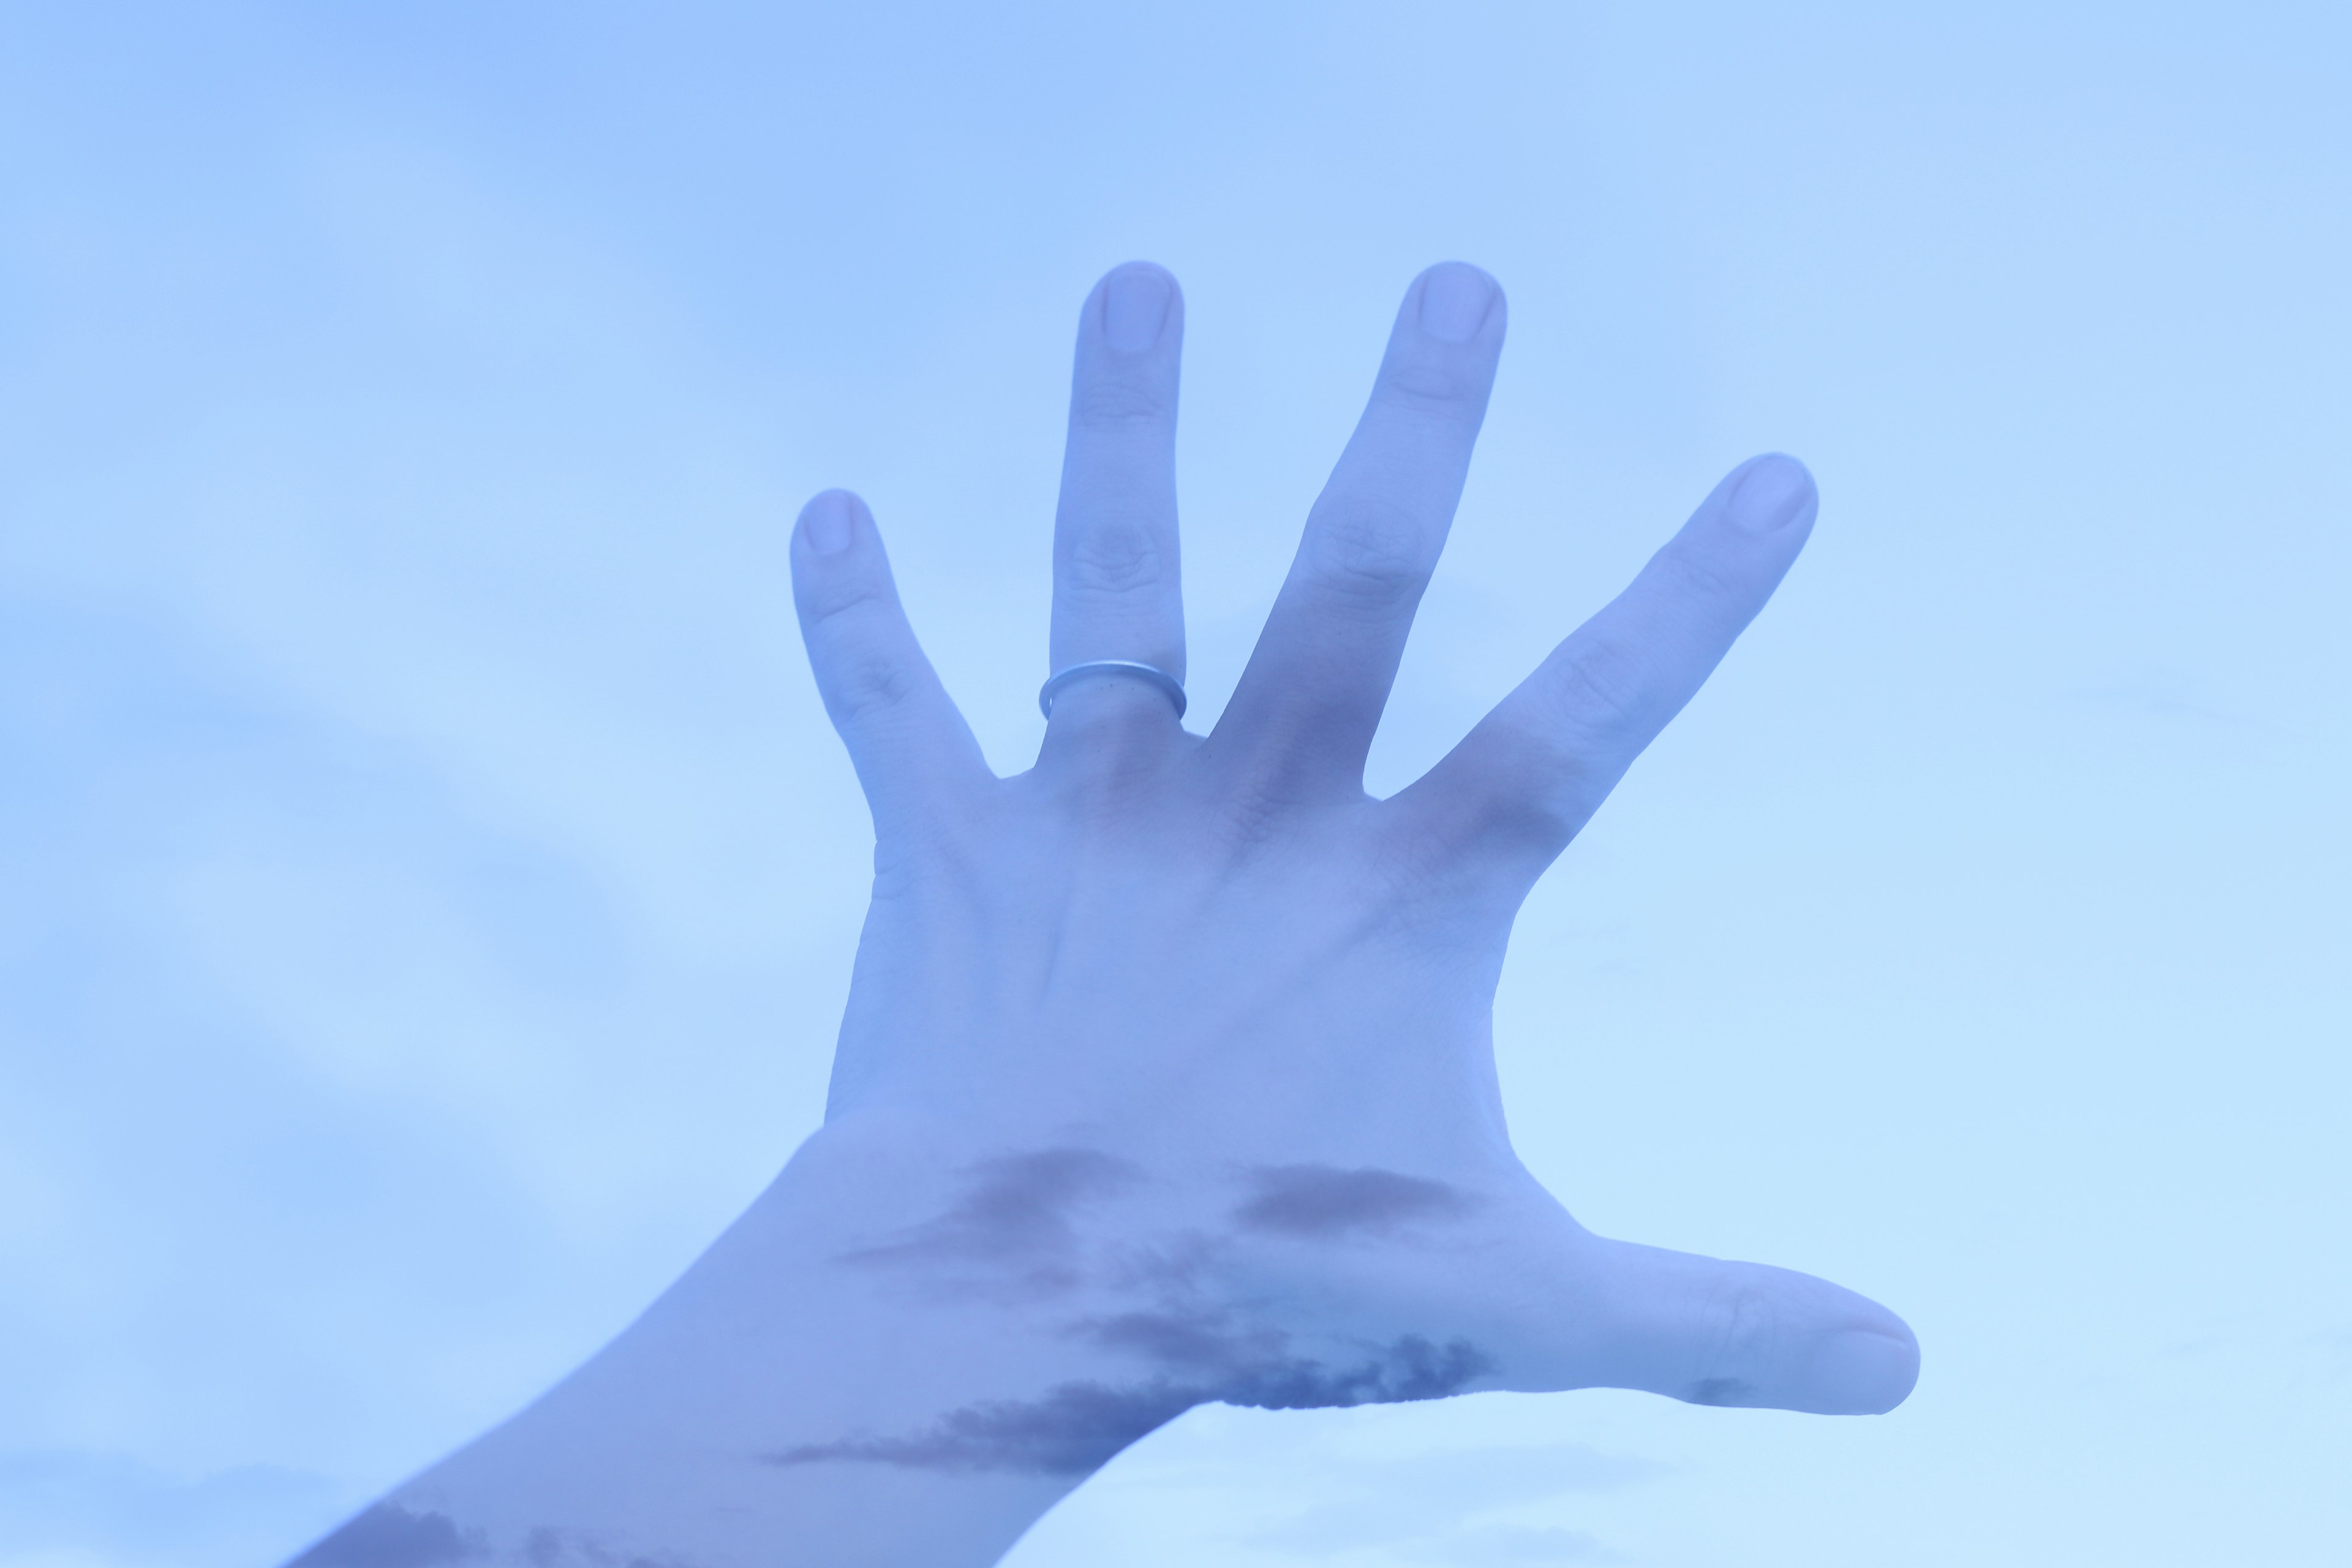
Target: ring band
1170, 686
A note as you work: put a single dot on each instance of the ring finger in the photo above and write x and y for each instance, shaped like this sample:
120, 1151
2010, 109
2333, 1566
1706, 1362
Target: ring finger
1116, 593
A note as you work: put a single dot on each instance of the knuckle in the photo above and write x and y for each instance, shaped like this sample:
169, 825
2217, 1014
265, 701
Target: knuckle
869, 689
1117, 403
1416, 866
1538, 818
1735, 1351
1260, 809
1437, 388
831, 604
1597, 694
1116, 556
1750, 1322
1700, 575
1366, 551
866, 679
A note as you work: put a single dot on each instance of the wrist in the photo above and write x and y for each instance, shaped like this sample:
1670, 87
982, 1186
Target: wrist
858, 1371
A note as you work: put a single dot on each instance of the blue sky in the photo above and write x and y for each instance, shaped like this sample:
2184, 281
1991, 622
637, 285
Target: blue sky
427, 881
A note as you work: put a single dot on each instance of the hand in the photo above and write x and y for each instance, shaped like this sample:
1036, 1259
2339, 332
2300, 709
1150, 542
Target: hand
1167, 1073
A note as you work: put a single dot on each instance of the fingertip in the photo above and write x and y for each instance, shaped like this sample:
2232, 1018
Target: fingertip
1862, 1371
1135, 304
1771, 492
1747, 1335
1854, 1357
1141, 266
1455, 302
1848, 1355
830, 523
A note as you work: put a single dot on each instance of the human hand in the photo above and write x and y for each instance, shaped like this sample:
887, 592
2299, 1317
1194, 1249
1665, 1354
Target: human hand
1167, 1074
1203, 1029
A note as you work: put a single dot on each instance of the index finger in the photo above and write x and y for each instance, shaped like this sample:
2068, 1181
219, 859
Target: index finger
1535, 769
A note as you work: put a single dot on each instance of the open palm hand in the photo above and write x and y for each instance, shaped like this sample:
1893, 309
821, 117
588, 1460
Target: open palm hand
1197, 1031
1167, 1074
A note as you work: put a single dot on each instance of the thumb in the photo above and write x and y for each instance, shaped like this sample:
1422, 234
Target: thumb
1712, 1332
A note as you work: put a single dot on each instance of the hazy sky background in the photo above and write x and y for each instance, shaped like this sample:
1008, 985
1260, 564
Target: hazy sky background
427, 880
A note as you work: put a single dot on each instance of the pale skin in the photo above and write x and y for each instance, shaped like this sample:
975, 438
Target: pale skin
1167, 1074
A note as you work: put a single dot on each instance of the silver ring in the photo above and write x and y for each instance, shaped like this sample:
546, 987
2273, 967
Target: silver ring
1170, 686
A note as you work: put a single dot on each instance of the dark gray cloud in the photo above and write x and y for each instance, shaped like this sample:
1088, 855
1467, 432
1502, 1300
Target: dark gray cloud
1409, 1369
1074, 1430
1326, 1200
550, 1548
1184, 1340
1080, 1426
1239, 1362
1012, 1213
390, 1536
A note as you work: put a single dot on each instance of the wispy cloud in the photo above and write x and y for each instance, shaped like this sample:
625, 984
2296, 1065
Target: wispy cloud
1497, 1543
116, 1510
1435, 1507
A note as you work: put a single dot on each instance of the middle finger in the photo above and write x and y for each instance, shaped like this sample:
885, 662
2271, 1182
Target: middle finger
1312, 694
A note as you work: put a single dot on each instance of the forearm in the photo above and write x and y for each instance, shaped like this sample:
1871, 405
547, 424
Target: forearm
797, 1397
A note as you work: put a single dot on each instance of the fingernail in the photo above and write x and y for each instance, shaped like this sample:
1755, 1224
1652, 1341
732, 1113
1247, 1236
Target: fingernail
1454, 300
829, 522
1771, 494
1135, 307
1859, 1372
